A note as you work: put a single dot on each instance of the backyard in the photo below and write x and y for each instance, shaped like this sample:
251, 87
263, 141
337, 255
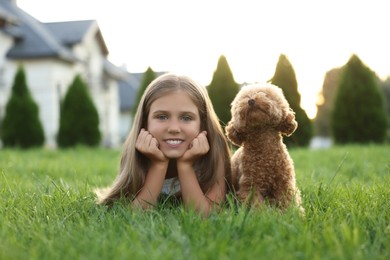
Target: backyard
48, 211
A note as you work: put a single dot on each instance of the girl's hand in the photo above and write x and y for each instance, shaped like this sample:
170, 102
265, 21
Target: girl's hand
198, 147
148, 146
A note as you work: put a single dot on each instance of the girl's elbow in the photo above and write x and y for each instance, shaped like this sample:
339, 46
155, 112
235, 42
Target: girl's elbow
141, 204
206, 207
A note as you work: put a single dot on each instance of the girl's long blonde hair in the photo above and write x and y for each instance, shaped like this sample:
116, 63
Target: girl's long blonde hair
134, 165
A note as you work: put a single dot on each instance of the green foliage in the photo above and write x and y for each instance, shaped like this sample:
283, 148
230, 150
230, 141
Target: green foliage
344, 192
79, 119
386, 91
222, 90
325, 107
359, 114
284, 78
148, 77
21, 126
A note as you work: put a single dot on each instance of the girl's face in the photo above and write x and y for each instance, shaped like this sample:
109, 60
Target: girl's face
174, 121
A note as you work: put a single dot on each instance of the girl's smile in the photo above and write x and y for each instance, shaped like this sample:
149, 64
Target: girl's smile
174, 121
174, 143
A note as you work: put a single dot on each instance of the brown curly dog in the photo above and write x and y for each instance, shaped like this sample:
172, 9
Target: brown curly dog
262, 168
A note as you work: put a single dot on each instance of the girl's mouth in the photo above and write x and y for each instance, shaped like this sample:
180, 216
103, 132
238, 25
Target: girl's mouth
174, 142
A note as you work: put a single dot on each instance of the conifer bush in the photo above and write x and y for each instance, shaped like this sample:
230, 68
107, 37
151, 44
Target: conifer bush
21, 126
325, 107
285, 78
222, 90
79, 119
359, 114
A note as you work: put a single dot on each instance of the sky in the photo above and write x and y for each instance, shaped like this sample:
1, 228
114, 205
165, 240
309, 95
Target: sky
189, 36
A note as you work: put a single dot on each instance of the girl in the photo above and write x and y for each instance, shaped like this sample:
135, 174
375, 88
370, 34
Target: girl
176, 146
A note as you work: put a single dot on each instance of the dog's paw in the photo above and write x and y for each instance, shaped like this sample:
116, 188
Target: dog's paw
233, 135
289, 124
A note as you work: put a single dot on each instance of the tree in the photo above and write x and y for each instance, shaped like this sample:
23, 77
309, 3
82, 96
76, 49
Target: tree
325, 105
385, 86
21, 126
386, 92
222, 90
148, 77
79, 119
284, 78
359, 114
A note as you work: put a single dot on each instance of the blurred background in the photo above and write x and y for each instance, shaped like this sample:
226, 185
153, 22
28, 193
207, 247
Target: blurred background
112, 44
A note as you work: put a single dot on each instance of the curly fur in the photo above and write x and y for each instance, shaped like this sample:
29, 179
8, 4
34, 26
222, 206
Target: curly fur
262, 164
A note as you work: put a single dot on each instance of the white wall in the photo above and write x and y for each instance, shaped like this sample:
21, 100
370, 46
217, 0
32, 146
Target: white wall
125, 125
5, 43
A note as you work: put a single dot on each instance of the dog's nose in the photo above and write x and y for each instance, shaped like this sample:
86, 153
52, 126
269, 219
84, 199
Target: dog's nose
251, 102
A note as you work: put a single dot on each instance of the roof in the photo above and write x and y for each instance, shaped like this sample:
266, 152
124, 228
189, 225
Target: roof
69, 33
35, 40
128, 89
5, 15
127, 94
73, 32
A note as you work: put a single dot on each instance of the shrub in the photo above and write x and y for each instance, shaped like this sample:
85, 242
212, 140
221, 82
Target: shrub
222, 90
359, 114
79, 119
284, 78
21, 126
325, 107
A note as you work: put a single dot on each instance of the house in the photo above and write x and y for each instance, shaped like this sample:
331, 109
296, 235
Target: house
52, 55
128, 90
127, 93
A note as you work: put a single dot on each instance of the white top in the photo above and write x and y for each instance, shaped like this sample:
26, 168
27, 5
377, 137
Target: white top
171, 186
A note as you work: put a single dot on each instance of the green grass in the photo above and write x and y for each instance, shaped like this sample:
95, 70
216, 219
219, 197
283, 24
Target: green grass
48, 211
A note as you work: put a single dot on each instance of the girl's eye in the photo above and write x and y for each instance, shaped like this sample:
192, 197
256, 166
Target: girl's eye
161, 117
186, 118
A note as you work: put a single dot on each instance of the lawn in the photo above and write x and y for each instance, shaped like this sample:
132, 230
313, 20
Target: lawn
48, 211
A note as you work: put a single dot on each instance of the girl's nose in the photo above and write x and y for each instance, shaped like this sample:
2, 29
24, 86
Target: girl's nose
174, 129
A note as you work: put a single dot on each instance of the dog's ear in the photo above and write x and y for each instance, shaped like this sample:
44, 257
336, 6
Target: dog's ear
288, 124
233, 135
